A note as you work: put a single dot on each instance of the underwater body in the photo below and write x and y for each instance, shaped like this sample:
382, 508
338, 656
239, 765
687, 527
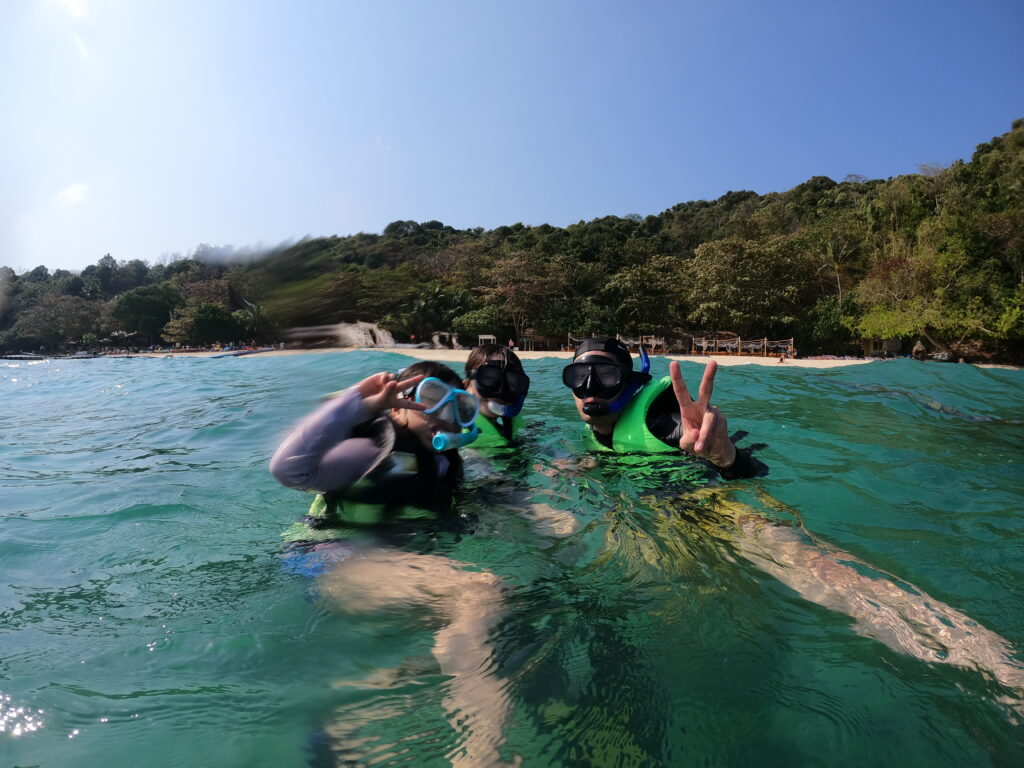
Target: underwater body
148, 616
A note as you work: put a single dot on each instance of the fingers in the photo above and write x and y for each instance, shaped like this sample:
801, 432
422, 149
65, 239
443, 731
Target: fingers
394, 392
371, 385
707, 429
408, 404
707, 384
689, 438
678, 385
409, 383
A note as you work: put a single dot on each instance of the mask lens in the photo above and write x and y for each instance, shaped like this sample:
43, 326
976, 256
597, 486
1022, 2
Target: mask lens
609, 375
446, 402
575, 375
494, 381
489, 379
468, 407
518, 383
596, 379
432, 393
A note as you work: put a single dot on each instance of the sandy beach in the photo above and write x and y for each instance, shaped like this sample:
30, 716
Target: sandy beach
460, 355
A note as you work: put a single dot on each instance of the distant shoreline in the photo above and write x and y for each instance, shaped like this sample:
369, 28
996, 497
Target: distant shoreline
460, 355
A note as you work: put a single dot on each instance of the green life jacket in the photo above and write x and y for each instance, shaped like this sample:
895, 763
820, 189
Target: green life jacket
389, 493
631, 434
490, 435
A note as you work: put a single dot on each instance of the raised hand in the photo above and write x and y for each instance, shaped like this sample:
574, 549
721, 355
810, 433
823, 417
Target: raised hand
383, 391
705, 430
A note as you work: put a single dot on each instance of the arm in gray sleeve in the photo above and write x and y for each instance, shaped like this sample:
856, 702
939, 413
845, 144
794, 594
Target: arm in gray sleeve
321, 455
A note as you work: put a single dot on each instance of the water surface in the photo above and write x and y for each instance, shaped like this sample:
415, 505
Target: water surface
145, 616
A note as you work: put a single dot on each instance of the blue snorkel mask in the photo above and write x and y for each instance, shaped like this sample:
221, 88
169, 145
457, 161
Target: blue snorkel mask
451, 404
603, 378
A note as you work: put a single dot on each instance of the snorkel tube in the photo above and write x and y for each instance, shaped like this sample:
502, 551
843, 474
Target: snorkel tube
638, 380
446, 441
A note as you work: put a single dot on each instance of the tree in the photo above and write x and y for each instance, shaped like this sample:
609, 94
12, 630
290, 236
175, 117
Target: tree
645, 298
836, 241
924, 286
518, 288
55, 320
201, 324
749, 287
148, 309
486, 319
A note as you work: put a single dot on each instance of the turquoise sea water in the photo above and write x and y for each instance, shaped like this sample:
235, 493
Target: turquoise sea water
146, 618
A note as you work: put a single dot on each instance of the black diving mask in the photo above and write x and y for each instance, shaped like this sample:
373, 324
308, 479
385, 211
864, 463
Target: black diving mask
604, 379
593, 379
495, 380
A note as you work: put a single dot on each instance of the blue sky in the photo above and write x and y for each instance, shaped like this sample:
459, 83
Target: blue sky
141, 128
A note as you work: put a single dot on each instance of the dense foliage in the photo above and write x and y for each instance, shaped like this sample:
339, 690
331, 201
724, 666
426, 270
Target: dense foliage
937, 255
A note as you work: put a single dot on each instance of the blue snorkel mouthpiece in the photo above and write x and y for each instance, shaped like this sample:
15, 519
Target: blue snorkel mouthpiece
446, 441
506, 411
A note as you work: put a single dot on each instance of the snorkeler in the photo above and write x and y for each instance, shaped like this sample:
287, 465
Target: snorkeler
389, 440
495, 374
385, 452
627, 412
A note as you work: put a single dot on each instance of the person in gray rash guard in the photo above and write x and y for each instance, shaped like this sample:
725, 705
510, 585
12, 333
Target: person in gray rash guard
389, 440
384, 451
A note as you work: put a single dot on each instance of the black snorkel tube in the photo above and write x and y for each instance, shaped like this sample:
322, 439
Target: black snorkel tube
637, 382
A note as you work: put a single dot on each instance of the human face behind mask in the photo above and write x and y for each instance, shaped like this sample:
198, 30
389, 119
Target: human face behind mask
501, 387
596, 387
449, 411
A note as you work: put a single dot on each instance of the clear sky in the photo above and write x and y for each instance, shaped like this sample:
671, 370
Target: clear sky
141, 128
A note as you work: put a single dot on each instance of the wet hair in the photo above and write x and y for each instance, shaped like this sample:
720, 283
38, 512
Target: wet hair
430, 368
485, 352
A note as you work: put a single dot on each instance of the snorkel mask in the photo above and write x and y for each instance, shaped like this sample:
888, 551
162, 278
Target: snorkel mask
604, 378
451, 404
504, 388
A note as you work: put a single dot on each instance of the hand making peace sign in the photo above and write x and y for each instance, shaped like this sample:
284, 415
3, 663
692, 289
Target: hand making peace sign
383, 391
705, 430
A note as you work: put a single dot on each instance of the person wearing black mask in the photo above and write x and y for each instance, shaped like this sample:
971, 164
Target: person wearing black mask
628, 412
495, 375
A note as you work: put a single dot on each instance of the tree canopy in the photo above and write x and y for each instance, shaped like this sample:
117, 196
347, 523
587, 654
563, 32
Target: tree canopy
937, 255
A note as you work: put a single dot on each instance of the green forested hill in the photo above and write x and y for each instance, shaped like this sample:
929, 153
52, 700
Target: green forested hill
937, 255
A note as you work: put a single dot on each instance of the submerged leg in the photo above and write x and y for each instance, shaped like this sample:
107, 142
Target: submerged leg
470, 604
